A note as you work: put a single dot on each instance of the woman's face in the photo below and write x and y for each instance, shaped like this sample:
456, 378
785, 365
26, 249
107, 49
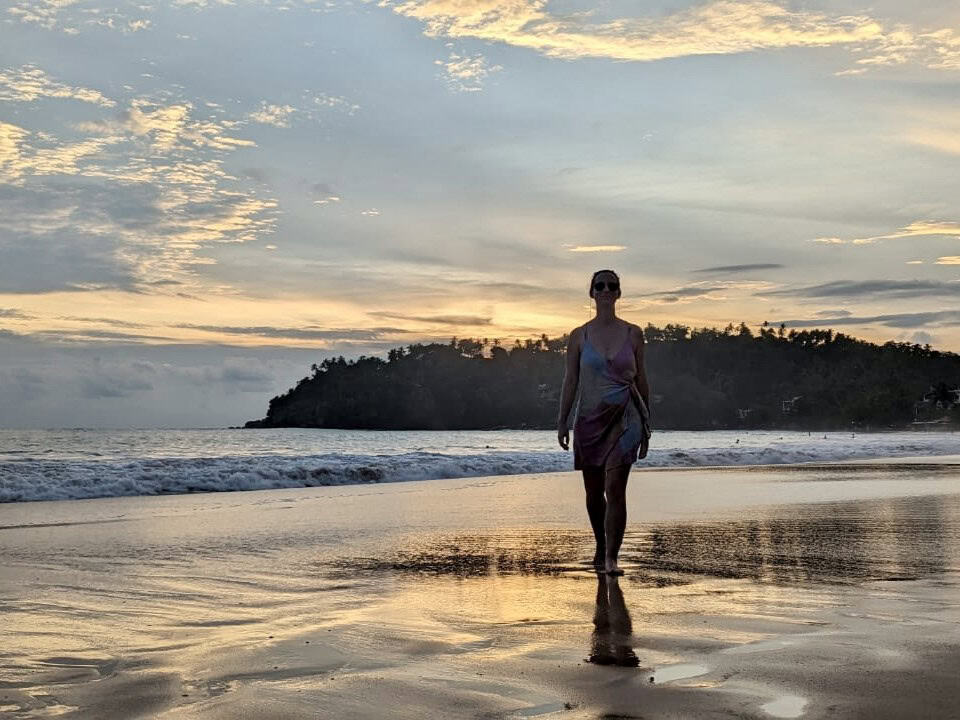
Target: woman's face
606, 288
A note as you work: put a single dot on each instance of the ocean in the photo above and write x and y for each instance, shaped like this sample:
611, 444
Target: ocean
80, 463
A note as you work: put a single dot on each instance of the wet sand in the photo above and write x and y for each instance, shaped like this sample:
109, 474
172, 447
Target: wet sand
804, 591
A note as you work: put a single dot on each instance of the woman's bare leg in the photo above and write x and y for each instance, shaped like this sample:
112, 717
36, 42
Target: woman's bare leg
594, 484
615, 521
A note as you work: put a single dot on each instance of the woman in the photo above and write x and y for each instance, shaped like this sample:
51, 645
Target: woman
605, 369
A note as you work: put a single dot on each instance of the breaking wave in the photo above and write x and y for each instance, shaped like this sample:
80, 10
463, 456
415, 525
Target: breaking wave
33, 478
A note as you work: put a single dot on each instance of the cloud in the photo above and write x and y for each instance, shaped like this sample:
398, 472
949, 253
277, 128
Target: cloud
948, 260
466, 73
39, 12
335, 102
29, 83
23, 153
945, 141
935, 49
723, 269
248, 375
21, 383
715, 28
144, 195
890, 289
48, 242
128, 235
104, 380
276, 115
297, 333
923, 338
920, 228
173, 125
515, 291
436, 319
324, 194
69, 15
696, 291
721, 27
14, 314
850, 72
73, 336
596, 248
941, 318
104, 321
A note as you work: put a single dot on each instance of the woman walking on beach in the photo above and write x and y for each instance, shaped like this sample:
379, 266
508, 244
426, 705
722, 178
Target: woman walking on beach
605, 370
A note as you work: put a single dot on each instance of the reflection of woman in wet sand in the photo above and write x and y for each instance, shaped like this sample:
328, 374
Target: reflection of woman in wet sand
611, 642
605, 371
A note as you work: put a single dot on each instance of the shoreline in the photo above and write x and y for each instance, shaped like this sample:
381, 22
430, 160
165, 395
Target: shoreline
145, 464
919, 426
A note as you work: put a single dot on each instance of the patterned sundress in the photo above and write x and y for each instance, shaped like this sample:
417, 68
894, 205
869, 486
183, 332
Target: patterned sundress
612, 424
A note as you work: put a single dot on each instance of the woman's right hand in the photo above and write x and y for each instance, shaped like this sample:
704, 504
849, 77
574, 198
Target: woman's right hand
563, 436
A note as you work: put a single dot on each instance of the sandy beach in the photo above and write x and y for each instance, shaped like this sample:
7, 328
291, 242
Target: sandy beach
797, 591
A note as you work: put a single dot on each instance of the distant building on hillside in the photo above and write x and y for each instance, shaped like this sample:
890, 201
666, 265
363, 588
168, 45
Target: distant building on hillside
938, 399
789, 407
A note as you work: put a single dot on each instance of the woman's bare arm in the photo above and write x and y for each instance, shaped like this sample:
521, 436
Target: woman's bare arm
643, 387
571, 378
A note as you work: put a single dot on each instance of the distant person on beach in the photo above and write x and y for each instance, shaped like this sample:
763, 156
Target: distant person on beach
605, 373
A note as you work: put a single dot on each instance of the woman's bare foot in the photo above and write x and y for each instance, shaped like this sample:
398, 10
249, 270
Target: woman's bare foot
598, 558
612, 568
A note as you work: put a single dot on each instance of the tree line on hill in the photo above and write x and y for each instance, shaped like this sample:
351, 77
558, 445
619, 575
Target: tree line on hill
700, 378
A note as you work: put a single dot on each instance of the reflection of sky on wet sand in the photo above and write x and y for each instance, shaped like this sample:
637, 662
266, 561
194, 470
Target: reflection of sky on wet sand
891, 539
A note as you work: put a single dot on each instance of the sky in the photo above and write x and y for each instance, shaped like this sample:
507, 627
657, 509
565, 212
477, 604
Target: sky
201, 198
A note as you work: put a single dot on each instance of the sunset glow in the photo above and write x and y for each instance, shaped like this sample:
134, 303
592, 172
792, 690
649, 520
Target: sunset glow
224, 193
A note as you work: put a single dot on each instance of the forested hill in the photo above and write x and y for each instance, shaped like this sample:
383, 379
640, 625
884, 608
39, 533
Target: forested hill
700, 378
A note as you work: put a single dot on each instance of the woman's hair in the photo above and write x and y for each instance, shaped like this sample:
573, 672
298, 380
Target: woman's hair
593, 278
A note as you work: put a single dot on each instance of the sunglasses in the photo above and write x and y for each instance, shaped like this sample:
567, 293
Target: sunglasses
600, 285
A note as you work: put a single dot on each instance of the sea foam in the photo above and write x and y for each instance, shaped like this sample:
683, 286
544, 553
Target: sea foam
35, 478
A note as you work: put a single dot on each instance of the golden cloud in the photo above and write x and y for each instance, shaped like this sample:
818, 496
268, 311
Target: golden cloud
18, 158
596, 248
39, 12
29, 83
920, 228
937, 49
168, 163
718, 28
467, 73
11, 137
276, 115
721, 27
944, 141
